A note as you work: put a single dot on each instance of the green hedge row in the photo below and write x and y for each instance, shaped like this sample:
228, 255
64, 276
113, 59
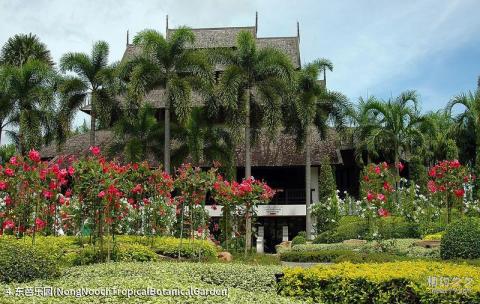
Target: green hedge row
395, 282
337, 256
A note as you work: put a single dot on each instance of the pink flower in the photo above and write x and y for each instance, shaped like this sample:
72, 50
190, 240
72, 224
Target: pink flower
47, 194
95, 150
381, 197
8, 201
101, 194
459, 192
13, 160
387, 187
8, 224
9, 172
370, 196
383, 212
455, 163
137, 189
146, 201
34, 156
400, 166
68, 193
377, 170
3, 185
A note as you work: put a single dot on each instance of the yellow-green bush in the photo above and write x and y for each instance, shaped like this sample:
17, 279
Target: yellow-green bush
434, 237
394, 282
20, 262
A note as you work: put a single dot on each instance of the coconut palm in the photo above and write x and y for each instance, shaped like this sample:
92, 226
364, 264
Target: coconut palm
313, 106
23, 47
98, 81
249, 90
470, 117
202, 140
31, 87
6, 104
170, 65
440, 143
395, 128
138, 136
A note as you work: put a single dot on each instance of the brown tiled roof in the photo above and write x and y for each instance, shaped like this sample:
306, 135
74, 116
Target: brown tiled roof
280, 152
221, 37
288, 45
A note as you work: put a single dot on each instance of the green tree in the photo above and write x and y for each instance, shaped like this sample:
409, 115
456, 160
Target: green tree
23, 47
200, 139
470, 117
97, 77
6, 103
312, 105
31, 87
249, 90
395, 128
138, 136
326, 181
440, 131
168, 64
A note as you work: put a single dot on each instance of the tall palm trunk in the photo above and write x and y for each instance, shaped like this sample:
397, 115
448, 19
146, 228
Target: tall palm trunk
476, 189
248, 173
92, 122
308, 179
166, 151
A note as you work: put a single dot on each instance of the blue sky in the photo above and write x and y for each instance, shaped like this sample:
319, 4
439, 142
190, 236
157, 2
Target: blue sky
378, 47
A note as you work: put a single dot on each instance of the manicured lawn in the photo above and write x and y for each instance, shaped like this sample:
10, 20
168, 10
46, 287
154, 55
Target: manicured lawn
245, 283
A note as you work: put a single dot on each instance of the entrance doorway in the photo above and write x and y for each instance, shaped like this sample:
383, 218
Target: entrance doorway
273, 229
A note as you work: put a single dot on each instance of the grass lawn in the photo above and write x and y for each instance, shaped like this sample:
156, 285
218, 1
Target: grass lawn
245, 283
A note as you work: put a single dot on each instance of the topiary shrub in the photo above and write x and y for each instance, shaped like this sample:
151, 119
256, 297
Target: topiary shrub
394, 227
134, 253
21, 262
461, 240
299, 240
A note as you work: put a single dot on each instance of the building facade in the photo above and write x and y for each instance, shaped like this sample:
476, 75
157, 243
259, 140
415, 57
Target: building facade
277, 162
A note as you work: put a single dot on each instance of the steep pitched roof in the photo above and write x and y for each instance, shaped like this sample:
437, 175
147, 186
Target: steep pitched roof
280, 152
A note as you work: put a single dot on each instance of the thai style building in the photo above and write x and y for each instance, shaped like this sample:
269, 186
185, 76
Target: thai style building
277, 162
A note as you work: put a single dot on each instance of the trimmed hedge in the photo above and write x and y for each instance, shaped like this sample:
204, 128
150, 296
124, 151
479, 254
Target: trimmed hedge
21, 262
298, 240
349, 227
395, 227
395, 282
461, 240
337, 256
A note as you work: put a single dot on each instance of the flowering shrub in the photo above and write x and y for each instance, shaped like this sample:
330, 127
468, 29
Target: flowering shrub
378, 184
447, 180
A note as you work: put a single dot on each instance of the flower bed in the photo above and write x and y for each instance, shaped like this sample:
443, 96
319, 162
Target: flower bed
396, 282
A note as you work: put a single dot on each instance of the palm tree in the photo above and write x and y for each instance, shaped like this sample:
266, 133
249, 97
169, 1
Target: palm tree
139, 136
98, 79
470, 117
168, 64
395, 126
440, 131
324, 65
31, 87
312, 106
6, 104
23, 47
249, 89
202, 141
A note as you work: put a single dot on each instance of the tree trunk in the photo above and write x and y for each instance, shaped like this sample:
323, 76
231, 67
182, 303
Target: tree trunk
166, 151
92, 123
308, 178
476, 186
248, 174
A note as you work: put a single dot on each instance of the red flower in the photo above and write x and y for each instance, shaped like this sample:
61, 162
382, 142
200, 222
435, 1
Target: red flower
370, 196
459, 192
400, 166
95, 150
8, 224
381, 197
101, 194
455, 164
432, 187
43, 174
39, 224
137, 189
432, 172
9, 172
200, 230
383, 212
146, 201
68, 193
3, 185
34, 156
377, 170
387, 187
366, 178
71, 170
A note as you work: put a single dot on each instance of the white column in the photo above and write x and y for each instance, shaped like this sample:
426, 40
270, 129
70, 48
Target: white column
285, 234
260, 245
